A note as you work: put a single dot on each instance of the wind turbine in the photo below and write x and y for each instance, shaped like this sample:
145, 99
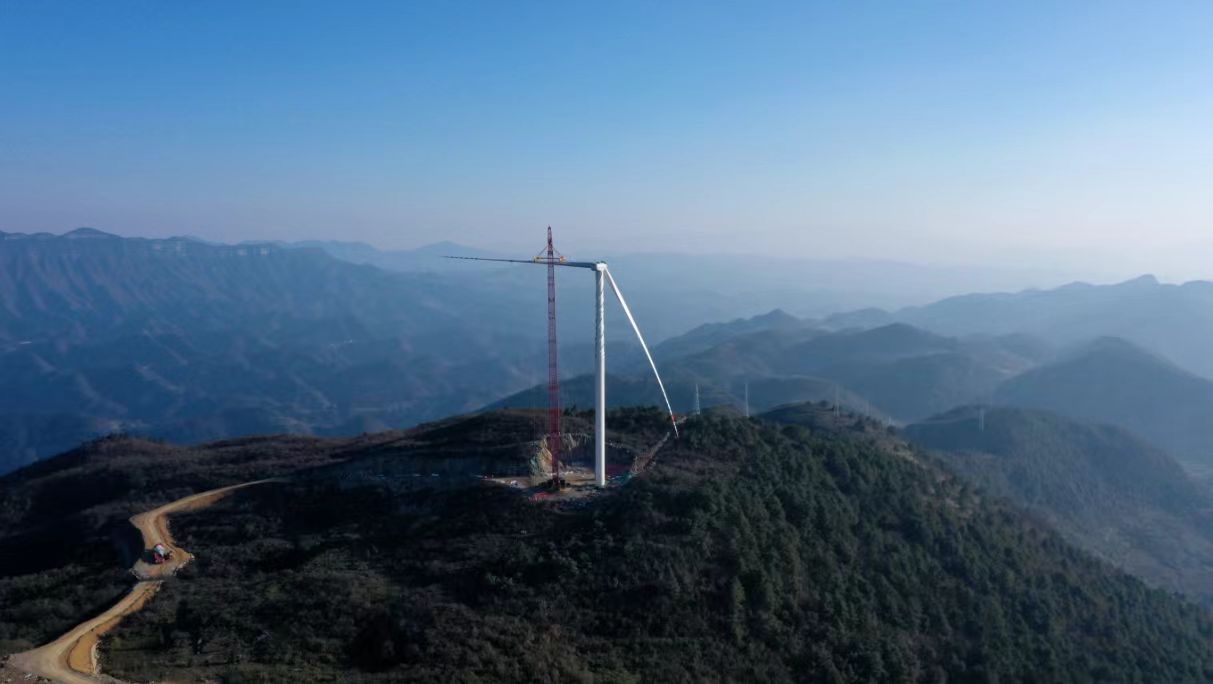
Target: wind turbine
602, 276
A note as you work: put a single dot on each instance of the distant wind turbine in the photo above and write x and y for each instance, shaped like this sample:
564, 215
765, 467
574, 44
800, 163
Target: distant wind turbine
602, 276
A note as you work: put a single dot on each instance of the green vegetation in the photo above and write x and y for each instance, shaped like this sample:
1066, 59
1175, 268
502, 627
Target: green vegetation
65, 543
749, 551
1103, 488
65, 539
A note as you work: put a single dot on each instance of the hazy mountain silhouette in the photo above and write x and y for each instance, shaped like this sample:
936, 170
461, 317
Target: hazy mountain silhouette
897, 372
704, 337
1175, 321
694, 288
422, 259
1115, 382
195, 341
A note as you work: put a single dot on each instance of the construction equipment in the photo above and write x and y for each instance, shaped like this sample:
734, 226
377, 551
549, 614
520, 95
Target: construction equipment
159, 554
602, 276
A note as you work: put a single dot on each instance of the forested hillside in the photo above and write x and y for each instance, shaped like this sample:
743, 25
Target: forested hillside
65, 538
65, 541
1106, 490
748, 551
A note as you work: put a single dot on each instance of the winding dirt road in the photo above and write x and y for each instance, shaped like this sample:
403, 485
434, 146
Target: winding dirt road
72, 658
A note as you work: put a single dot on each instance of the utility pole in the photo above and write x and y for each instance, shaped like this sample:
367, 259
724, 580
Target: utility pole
696, 398
747, 399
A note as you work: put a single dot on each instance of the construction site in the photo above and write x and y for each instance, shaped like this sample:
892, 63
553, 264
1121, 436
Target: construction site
572, 462
559, 475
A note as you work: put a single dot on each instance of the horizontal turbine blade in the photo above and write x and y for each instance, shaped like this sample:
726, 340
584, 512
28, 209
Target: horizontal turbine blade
628, 312
507, 261
533, 262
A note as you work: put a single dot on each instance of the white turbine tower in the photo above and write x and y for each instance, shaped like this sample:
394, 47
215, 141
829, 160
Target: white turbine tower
602, 276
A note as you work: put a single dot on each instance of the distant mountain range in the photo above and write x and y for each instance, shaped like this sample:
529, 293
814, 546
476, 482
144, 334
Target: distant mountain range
1175, 321
190, 341
902, 373
430, 258
686, 290
1115, 382
895, 372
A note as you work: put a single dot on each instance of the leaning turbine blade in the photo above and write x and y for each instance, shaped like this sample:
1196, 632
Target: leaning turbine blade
635, 328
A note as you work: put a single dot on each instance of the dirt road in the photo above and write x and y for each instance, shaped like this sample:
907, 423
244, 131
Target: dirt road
72, 658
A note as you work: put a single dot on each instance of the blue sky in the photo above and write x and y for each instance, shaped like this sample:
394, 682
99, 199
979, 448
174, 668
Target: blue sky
1068, 135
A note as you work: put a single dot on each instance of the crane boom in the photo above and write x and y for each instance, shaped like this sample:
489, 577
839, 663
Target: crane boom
553, 369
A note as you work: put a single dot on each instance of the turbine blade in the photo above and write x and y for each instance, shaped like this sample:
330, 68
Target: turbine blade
635, 328
507, 261
536, 262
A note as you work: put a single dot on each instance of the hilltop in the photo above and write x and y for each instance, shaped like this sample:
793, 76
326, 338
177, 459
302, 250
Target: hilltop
64, 535
748, 550
1116, 382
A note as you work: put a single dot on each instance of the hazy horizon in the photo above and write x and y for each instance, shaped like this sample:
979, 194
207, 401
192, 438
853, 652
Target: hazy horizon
1007, 278
1065, 139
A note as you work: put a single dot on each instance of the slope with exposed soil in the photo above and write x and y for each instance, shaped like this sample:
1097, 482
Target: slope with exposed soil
66, 541
72, 658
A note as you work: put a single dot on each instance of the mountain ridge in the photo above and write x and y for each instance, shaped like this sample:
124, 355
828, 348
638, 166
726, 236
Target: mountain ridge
1113, 381
190, 341
1103, 488
1174, 320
